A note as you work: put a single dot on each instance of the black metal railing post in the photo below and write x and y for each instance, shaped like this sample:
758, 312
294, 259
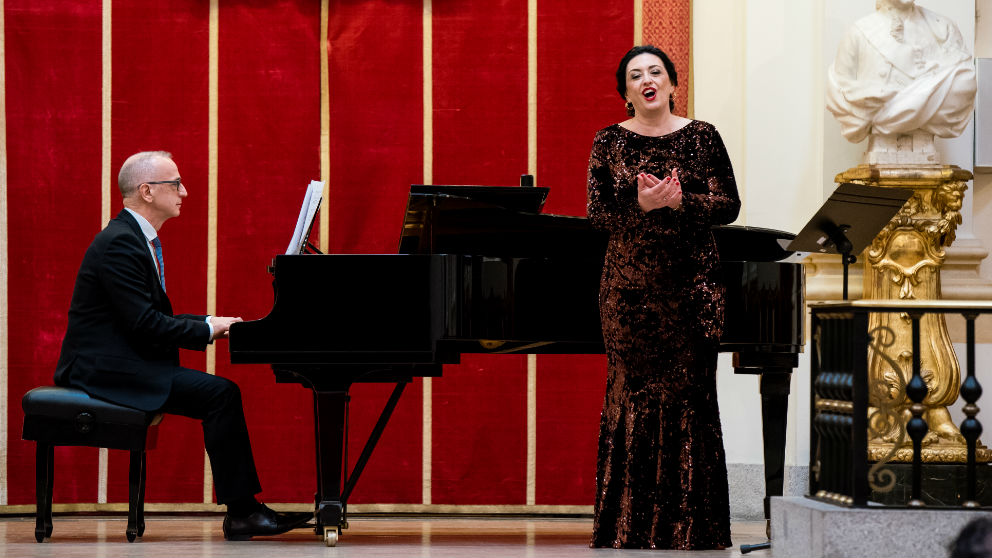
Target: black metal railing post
971, 428
858, 393
815, 449
917, 428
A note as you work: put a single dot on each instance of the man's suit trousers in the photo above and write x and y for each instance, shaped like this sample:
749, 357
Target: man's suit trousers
216, 402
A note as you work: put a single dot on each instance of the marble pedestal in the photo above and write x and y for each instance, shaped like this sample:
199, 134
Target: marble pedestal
807, 528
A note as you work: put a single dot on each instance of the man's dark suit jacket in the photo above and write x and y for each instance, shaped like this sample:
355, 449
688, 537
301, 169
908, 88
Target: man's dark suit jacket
122, 342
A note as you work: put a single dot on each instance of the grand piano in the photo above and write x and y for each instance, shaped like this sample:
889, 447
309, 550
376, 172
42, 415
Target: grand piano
472, 276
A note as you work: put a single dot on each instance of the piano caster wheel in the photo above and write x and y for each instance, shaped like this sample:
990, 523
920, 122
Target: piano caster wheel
331, 536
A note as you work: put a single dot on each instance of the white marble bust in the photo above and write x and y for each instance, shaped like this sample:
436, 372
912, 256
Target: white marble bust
902, 75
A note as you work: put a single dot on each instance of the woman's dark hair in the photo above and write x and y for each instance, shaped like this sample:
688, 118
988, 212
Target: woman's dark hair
642, 49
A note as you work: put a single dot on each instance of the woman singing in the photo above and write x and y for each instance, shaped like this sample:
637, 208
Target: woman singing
657, 184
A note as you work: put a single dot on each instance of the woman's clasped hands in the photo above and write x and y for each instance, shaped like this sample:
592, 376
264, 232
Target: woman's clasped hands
655, 193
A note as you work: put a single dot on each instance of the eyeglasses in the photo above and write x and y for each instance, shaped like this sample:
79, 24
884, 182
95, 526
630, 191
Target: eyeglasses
178, 183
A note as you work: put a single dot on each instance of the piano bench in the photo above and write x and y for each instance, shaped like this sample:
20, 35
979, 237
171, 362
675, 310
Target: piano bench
59, 416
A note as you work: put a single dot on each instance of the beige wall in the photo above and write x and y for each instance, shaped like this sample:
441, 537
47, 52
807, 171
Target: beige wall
982, 193
759, 68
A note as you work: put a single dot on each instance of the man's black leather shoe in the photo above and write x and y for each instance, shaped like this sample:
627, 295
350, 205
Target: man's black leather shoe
264, 522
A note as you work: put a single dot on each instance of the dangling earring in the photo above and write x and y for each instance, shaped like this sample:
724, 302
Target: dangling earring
674, 95
630, 108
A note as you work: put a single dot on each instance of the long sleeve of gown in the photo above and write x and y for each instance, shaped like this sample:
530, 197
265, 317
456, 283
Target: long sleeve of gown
608, 208
720, 204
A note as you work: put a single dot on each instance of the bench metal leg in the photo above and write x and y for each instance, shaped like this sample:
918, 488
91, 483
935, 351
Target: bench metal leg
44, 477
141, 495
136, 496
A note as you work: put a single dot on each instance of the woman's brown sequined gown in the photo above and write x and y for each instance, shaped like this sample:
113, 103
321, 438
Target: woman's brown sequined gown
662, 474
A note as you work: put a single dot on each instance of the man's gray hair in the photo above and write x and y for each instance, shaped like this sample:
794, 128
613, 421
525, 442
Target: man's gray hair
136, 169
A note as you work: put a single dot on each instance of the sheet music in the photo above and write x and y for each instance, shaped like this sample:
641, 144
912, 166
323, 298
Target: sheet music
311, 203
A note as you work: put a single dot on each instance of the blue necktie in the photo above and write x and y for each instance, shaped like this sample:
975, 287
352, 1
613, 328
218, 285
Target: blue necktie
161, 263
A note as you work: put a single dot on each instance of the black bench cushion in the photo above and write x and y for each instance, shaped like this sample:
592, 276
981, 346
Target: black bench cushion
60, 416
68, 403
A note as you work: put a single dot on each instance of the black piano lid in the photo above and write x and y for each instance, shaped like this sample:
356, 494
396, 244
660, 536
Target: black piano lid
526, 199
493, 219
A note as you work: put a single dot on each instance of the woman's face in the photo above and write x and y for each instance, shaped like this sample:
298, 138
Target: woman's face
648, 86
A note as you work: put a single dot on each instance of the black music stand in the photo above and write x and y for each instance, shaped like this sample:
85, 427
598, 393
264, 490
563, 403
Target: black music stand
849, 220
845, 224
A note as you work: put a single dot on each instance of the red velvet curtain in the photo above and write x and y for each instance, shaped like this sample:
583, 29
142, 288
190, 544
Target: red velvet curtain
268, 147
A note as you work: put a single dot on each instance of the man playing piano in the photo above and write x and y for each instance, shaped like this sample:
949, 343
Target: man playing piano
122, 342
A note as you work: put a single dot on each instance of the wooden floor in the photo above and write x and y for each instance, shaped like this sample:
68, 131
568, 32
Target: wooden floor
169, 536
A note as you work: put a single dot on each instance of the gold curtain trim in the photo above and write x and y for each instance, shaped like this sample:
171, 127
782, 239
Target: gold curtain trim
121, 507
213, 71
106, 129
105, 114
427, 34
690, 107
325, 131
3, 265
638, 22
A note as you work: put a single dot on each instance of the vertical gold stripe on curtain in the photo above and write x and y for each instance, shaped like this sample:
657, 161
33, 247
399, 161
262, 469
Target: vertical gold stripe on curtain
428, 62
3, 268
105, 184
325, 132
428, 37
690, 106
531, 169
531, 430
532, 88
212, 71
105, 170
638, 22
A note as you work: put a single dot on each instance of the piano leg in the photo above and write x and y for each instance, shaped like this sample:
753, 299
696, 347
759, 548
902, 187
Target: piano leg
330, 386
774, 413
334, 486
330, 409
